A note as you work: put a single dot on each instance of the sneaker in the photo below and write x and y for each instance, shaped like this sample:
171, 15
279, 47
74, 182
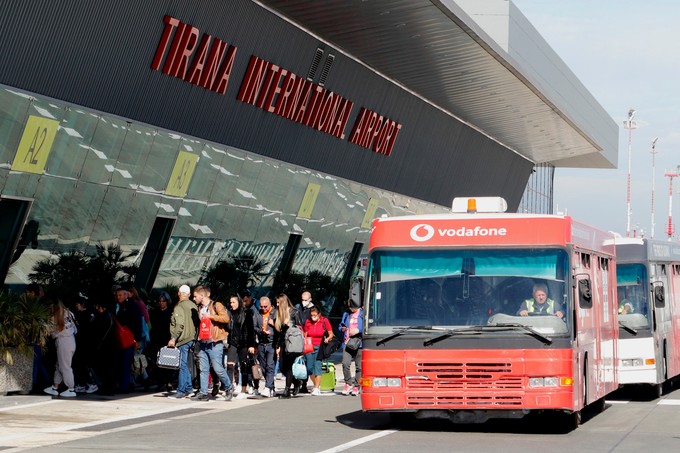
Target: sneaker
215, 389
316, 391
355, 390
256, 392
303, 389
68, 393
201, 397
80, 389
179, 395
250, 391
241, 396
91, 388
267, 393
51, 391
229, 394
346, 390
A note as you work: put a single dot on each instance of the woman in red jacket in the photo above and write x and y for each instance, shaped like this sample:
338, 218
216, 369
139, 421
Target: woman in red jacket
316, 328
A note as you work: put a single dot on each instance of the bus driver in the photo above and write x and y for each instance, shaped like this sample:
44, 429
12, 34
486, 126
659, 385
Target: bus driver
540, 304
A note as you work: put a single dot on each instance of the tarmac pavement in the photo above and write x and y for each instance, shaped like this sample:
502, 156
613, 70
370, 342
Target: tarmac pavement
31, 421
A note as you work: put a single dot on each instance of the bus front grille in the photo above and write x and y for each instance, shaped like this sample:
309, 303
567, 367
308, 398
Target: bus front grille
463, 376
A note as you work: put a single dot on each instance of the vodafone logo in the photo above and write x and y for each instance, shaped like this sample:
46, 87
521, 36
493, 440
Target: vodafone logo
422, 232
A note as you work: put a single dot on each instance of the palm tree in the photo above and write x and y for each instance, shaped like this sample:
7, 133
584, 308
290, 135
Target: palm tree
233, 274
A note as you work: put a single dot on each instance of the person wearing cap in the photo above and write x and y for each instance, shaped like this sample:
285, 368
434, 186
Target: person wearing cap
128, 314
183, 332
352, 327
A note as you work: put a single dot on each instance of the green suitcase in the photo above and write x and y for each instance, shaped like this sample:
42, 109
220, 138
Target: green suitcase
328, 377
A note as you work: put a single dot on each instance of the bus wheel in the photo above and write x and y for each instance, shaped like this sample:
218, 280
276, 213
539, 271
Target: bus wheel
573, 420
657, 391
660, 388
401, 418
599, 405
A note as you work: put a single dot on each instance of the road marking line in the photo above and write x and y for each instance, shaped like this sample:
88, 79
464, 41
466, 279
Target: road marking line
360, 441
669, 403
616, 402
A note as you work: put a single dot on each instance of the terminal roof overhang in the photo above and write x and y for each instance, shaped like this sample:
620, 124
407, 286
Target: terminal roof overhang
512, 87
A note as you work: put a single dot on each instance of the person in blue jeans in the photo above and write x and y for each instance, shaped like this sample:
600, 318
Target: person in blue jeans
183, 329
212, 334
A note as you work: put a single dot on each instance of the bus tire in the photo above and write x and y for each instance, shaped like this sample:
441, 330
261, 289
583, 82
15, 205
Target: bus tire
401, 418
662, 387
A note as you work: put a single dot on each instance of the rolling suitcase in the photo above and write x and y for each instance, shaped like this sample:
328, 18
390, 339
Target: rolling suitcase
328, 377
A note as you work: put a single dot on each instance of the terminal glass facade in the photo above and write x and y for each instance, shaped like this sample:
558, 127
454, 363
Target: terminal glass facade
92, 178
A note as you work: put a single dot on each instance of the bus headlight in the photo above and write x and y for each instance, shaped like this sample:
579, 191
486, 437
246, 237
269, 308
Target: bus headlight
634, 362
544, 382
381, 382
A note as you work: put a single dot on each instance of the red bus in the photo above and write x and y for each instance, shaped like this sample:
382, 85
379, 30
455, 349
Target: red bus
444, 337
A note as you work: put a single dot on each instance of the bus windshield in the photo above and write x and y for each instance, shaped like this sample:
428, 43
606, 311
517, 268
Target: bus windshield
632, 285
467, 287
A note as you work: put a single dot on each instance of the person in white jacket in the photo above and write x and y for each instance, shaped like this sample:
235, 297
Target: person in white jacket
63, 330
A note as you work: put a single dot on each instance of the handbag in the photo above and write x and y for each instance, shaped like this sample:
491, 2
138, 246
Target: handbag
124, 336
168, 358
309, 346
300, 368
328, 348
353, 343
205, 329
256, 370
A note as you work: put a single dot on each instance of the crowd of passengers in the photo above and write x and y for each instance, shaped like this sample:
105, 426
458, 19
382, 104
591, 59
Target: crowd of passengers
86, 356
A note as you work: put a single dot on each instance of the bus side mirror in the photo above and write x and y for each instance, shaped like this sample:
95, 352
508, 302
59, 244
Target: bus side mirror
585, 295
356, 294
659, 297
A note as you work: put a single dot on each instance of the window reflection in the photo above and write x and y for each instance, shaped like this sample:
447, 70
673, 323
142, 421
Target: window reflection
105, 182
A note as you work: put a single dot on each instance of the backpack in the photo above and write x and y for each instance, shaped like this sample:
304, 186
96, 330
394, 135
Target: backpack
294, 340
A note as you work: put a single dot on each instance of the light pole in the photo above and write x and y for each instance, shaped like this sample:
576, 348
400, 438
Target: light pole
653, 151
670, 174
629, 124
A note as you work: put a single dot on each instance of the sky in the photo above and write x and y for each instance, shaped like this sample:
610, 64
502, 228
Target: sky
627, 54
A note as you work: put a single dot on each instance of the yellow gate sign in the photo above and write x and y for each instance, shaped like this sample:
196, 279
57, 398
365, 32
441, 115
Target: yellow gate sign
35, 145
370, 213
307, 205
180, 178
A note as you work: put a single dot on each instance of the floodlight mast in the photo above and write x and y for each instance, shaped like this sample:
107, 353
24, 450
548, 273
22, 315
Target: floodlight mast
670, 174
629, 124
653, 151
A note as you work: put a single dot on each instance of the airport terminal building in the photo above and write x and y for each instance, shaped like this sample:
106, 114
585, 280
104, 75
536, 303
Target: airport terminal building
191, 131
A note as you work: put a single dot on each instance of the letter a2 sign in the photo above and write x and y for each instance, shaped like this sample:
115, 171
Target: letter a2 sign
35, 145
178, 185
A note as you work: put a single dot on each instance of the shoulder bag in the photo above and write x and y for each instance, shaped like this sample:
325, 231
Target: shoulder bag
124, 336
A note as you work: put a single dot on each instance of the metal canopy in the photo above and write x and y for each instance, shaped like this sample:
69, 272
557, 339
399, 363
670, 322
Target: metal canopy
435, 49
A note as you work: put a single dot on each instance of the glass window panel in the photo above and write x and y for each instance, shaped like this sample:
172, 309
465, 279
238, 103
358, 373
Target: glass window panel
104, 149
161, 160
52, 207
140, 217
204, 176
128, 170
72, 143
112, 215
14, 108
